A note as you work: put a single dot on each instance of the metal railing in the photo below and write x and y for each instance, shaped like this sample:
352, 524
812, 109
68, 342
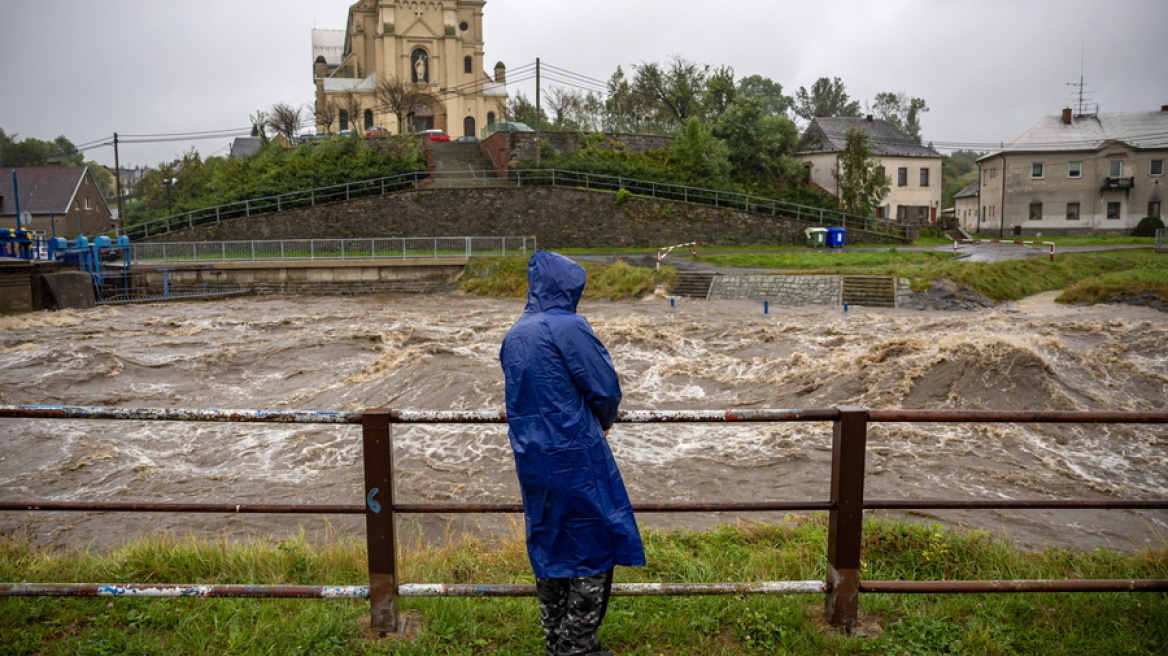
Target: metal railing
278, 203
845, 506
712, 197
521, 177
331, 249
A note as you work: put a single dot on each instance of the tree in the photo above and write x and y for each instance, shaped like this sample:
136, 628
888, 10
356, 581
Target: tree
769, 92
325, 114
401, 99
259, 122
349, 108
862, 185
720, 91
35, 152
901, 111
565, 106
284, 119
826, 98
760, 144
676, 90
522, 110
702, 155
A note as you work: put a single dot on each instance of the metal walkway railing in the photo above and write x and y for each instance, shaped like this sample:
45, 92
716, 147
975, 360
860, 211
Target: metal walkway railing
845, 507
330, 249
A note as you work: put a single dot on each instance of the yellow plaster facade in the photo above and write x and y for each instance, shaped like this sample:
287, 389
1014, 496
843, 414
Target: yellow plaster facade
435, 48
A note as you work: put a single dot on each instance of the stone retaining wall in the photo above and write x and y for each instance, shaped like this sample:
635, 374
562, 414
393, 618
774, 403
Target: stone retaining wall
559, 218
791, 289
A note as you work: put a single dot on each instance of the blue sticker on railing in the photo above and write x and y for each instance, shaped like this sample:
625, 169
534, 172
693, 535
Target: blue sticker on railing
369, 501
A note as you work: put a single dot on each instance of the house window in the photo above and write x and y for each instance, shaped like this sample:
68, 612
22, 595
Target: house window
1075, 170
1037, 170
467, 65
368, 118
1113, 210
880, 172
1072, 211
1154, 208
902, 177
88, 203
1116, 170
1035, 211
924, 177
344, 119
1157, 167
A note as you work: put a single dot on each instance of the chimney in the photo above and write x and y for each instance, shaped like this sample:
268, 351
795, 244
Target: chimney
1067, 115
869, 118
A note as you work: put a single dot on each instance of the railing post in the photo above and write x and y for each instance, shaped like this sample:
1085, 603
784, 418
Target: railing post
381, 542
846, 519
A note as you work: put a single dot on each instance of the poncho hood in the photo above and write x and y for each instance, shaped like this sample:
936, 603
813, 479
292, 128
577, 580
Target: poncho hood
553, 282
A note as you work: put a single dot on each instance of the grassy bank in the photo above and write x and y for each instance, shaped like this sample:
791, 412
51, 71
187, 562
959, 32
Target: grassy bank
1086, 277
1072, 623
507, 277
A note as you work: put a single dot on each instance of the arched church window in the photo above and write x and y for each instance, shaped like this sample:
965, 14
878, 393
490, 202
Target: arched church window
467, 64
368, 118
490, 118
344, 120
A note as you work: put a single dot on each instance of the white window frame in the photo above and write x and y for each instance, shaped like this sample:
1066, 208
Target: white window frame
1037, 170
1072, 171
1152, 167
1113, 166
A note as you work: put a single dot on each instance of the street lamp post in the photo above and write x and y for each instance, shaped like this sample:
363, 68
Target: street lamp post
168, 182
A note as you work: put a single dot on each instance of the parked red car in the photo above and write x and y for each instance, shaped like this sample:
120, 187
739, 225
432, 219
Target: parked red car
437, 135
376, 132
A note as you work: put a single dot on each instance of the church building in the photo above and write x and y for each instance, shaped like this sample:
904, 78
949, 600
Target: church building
407, 67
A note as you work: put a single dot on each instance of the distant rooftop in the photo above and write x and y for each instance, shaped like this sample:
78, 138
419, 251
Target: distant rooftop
829, 135
1141, 130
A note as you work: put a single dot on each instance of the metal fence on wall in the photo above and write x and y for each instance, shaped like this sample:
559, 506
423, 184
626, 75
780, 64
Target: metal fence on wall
331, 249
845, 506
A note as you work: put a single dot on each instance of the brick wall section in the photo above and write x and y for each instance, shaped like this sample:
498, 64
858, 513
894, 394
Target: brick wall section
559, 218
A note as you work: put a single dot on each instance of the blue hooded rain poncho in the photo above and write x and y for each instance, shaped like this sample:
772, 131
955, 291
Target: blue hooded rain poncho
562, 395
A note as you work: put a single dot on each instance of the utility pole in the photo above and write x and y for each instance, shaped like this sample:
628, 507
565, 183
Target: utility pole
538, 113
16, 195
118, 188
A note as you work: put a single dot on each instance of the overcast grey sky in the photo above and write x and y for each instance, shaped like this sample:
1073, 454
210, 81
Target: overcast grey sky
988, 69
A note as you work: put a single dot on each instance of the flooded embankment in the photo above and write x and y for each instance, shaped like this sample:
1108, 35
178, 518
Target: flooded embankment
438, 352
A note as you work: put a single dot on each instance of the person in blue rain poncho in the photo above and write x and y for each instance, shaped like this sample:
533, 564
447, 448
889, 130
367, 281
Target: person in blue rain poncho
562, 397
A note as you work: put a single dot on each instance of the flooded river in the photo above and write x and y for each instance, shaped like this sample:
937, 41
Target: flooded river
438, 352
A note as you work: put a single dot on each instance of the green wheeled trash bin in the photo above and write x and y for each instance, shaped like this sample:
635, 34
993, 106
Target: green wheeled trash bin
816, 237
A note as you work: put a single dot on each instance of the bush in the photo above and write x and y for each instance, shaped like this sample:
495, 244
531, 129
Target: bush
1148, 226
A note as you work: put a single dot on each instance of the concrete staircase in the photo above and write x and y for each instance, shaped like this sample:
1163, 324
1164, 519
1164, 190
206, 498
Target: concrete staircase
461, 165
872, 291
692, 284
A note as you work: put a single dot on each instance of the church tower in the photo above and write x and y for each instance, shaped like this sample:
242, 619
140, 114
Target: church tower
407, 66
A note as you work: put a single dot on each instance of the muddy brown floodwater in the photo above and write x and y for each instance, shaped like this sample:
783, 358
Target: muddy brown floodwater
438, 352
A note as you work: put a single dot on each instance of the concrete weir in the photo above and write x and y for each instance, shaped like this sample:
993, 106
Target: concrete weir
418, 275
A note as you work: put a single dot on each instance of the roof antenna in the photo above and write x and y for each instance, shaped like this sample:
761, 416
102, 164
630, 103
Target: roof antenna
1083, 108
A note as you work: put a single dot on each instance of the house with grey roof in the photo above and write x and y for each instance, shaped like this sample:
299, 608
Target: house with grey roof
61, 201
914, 197
1076, 173
965, 206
